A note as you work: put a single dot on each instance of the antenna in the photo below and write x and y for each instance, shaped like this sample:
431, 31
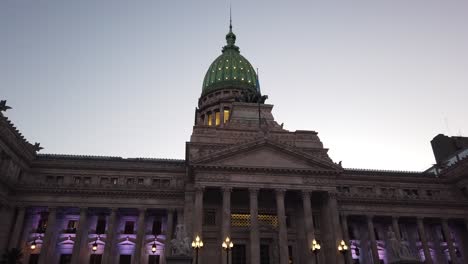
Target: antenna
230, 18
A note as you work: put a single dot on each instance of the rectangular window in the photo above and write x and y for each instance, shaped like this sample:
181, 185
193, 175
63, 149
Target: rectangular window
264, 254
125, 259
209, 218
77, 180
156, 183
129, 225
316, 221
59, 179
130, 181
114, 181
87, 180
101, 225
217, 118
226, 115
153, 259
156, 227
95, 259
33, 259
210, 119
65, 259
104, 180
141, 181
71, 226
290, 253
239, 254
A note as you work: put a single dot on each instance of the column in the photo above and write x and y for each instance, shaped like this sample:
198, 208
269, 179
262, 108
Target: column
309, 224
108, 254
449, 240
344, 227
188, 213
373, 242
226, 218
254, 228
50, 237
198, 213
423, 237
81, 239
396, 227
6, 218
331, 231
282, 228
140, 238
18, 227
169, 232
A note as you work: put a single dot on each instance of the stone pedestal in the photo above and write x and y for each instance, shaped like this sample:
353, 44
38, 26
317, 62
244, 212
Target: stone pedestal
178, 260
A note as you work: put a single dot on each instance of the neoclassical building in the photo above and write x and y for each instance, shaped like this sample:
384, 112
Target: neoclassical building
272, 191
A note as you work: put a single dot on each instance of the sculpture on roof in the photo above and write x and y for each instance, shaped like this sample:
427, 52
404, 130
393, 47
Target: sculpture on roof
37, 147
251, 97
3, 106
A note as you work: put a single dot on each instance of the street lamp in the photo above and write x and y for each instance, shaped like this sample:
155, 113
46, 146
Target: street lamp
315, 249
343, 248
153, 247
197, 244
33, 244
95, 244
227, 245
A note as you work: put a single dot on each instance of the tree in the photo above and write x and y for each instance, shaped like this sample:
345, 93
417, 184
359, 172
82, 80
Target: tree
12, 256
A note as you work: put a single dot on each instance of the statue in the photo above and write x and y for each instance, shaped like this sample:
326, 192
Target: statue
398, 251
181, 243
3, 106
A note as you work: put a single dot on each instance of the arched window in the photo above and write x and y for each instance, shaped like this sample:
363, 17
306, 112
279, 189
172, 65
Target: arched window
210, 119
217, 118
226, 115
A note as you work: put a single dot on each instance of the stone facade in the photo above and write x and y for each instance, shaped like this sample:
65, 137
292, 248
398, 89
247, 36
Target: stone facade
271, 191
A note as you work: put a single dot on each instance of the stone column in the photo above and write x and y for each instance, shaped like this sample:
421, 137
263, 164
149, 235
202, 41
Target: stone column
169, 232
254, 228
373, 242
282, 228
225, 218
187, 216
331, 231
140, 238
6, 218
449, 240
396, 227
344, 227
81, 239
50, 238
18, 228
108, 254
198, 213
423, 237
309, 224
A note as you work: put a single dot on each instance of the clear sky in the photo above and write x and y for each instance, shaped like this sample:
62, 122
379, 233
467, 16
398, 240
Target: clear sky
378, 79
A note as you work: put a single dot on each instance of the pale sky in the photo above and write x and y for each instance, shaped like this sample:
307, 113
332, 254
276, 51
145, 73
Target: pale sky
378, 79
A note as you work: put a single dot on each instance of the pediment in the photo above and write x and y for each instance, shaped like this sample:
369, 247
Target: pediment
265, 154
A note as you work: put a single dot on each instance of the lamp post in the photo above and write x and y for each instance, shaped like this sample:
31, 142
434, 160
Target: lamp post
33, 244
343, 248
227, 245
153, 247
94, 248
315, 249
197, 244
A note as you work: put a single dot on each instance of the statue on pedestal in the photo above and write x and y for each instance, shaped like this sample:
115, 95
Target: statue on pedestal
398, 251
181, 243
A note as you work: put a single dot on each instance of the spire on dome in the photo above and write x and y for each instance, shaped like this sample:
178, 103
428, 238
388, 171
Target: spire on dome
230, 37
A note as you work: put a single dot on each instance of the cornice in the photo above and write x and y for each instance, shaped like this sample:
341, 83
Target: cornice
263, 169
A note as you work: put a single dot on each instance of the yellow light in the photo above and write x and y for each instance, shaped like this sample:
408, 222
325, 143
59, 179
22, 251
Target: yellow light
345, 247
193, 244
234, 67
33, 246
231, 245
340, 248
197, 239
224, 245
201, 244
226, 114
219, 69
217, 118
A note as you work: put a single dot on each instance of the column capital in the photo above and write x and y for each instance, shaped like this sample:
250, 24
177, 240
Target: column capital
395, 217
306, 194
420, 218
142, 210
370, 217
256, 190
280, 191
199, 188
52, 208
226, 189
332, 195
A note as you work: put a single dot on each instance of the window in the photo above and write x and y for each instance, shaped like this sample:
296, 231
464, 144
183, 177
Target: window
87, 180
125, 259
226, 115
65, 259
129, 225
210, 119
33, 259
141, 181
217, 118
209, 218
59, 180
165, 183
101, 225
156, 183
264, 254
77, 180
104, 180
130, 181
351, 232
238, 254
95, 259
71, 226
50, 179
114, 181
156, 227
153, 259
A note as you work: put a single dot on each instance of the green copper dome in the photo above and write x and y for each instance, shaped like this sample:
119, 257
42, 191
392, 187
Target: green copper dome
230, 69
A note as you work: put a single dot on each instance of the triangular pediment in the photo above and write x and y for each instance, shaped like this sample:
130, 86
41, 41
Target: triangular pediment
265, 154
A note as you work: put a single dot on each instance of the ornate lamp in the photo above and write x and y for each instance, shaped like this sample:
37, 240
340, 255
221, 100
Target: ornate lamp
95, 245
315, 249
227, 245
33, 245
343, 248
153, 247
197, 244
